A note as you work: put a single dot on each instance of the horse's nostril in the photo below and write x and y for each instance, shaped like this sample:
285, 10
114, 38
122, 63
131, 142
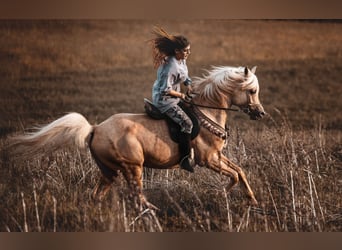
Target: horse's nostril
262, 113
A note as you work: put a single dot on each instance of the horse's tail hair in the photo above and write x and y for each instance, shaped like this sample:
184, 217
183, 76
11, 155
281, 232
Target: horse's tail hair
72, 128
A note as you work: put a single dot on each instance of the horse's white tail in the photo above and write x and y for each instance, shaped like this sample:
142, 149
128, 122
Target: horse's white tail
71, 128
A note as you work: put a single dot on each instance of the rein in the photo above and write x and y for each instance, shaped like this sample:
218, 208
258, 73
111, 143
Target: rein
206, 122
205, 106
210, 107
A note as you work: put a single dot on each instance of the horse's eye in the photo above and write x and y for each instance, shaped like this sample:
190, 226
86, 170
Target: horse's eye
252, 91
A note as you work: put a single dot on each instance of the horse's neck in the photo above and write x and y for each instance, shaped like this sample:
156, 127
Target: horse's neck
217, 115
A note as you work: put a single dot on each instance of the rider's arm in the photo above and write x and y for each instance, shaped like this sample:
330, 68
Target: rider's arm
175, 94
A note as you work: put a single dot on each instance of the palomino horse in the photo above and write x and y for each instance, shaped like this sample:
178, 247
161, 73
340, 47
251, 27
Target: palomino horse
128, 142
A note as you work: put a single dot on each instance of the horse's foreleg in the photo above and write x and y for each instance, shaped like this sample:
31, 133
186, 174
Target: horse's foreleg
222, 165
242, 176
218, 166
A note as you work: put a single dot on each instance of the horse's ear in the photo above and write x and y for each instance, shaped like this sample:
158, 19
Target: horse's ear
246, 71
254, 69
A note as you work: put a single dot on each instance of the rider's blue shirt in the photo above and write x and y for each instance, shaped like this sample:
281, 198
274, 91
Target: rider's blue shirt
170, 75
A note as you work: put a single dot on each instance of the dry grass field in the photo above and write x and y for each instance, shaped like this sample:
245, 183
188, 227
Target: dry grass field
292, 158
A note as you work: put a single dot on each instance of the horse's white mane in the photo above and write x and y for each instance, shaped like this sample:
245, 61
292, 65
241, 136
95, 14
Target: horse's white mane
221, 81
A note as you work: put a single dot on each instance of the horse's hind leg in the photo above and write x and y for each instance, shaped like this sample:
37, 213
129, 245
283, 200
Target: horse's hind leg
133, 176
104, 184
101, 189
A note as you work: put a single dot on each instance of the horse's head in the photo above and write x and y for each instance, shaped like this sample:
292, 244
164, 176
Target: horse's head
246, 96
224, 86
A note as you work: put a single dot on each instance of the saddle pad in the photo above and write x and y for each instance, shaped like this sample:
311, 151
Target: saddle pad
174, 128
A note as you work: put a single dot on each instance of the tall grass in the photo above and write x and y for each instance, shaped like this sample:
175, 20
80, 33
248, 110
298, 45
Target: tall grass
295, 175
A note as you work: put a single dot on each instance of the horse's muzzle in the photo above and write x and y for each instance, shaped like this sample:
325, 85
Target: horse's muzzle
255, 112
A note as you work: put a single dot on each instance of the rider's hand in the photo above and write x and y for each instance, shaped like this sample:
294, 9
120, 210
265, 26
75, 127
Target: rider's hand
188, 81
186, 97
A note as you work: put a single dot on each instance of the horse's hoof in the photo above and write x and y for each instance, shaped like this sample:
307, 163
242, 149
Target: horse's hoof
254, 202
145, 204
151, 206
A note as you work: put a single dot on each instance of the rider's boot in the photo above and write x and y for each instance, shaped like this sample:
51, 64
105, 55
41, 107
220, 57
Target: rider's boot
186, 152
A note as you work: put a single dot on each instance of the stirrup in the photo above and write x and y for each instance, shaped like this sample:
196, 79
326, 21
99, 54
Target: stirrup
188, 162
192, 155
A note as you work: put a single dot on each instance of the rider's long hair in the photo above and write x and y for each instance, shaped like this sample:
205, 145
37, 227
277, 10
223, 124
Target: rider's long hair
164, 45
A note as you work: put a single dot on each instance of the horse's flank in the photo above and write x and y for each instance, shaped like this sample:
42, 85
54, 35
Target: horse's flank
135, 139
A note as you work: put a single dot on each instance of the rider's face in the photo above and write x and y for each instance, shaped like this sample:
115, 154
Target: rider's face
183, 53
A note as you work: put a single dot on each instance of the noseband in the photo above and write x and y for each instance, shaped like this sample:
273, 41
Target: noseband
253, 113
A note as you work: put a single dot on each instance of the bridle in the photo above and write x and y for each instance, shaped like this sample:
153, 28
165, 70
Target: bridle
211, 125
